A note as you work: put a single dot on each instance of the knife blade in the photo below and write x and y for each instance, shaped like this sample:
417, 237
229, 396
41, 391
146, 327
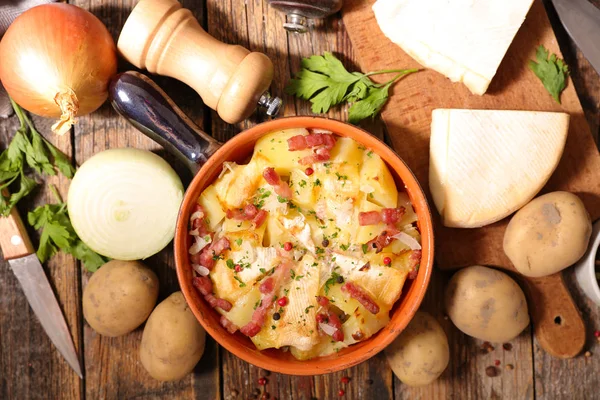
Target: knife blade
581, 20
19, 252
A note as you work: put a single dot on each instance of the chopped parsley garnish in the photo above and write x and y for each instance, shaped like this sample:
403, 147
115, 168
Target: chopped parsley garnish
302, 183
219, 257
344, 246
281, 199
340, 177
242, 284
262, 270
293, 273
230, 264
239, 241
273, 327
365, 248
286, 291
331, 281
299, 277
370, 153
307, 309
319, 250
317, 182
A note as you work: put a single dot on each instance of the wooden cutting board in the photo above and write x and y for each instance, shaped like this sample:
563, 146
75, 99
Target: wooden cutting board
557, 322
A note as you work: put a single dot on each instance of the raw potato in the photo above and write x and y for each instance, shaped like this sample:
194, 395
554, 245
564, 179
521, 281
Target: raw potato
119, 297
421, 353
173, 340
486, 304
548, 235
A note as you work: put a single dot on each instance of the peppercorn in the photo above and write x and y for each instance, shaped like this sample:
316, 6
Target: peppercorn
497, 362
597, 333
309, 171
345, 379
282, 301
234, 393
262, 381
509, 367
265, 396
491, 371
238, 268
288, 246
341, 392
588, 354
340, 279
325, 243
387, 260
507, 346
276, 316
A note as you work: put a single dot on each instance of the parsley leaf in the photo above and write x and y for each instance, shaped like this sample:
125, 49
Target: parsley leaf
325, 82
331, 281
58, 234
551, 70
28, 149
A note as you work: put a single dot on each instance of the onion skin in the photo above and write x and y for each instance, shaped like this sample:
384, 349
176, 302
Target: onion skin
56, 60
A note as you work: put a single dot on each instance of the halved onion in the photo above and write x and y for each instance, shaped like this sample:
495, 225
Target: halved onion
123, 203
408, 240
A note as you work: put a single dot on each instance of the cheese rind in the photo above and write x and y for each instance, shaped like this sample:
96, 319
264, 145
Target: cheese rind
486, 164
467, 47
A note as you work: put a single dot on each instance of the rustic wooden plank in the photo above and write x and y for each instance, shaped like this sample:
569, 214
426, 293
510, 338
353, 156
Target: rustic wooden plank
113, 369
465, 377
260, 28
30, 365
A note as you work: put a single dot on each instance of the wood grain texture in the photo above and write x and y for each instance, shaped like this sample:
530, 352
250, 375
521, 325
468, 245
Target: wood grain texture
263, 31
30, 365
112, 367
408, 118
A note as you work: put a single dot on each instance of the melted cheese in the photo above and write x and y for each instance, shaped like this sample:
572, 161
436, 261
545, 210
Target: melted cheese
486, 164
463, 39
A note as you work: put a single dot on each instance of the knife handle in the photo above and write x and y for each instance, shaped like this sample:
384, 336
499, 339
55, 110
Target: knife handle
14, 240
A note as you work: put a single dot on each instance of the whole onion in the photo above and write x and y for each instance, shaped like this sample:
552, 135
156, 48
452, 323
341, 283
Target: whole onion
56, 61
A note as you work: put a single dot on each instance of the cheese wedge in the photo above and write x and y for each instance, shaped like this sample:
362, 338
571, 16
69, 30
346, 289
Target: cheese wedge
486, 164
463, 39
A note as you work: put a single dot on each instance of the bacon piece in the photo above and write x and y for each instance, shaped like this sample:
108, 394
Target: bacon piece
280, 187
383, 239
360, 295
330, 318
392, 215
267, 299
389, 216
203, 284
227, 324
319, 156
369, 218
297, 142
415, 262
323, 301
334, 321
198, 222
217, 302
260, 218
207, 255
312, 140
267, 286
246, 214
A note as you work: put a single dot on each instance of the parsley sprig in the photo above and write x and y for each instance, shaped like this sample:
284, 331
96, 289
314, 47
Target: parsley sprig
325, 82
551, 70
58, 234
28, 149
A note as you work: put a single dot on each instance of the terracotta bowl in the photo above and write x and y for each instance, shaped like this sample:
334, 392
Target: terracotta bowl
147, 107
239, 149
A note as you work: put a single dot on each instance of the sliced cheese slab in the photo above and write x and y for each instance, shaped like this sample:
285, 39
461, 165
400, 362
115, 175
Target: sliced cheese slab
463, 39
486, 164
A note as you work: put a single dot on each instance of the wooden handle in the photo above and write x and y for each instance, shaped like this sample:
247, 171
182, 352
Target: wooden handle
14, 240
166, 39
557, 323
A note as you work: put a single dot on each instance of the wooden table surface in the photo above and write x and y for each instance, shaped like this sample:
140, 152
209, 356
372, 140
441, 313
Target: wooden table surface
31, 368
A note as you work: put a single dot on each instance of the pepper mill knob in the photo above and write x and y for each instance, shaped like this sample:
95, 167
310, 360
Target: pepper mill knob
299, 10
166, 39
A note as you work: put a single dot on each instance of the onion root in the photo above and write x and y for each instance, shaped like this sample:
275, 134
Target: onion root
69, 105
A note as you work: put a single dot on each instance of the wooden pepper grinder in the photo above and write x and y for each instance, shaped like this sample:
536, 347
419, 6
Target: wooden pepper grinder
299, 10
166, 39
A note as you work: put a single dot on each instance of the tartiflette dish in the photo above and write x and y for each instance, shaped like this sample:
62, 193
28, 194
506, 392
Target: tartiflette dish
307, 247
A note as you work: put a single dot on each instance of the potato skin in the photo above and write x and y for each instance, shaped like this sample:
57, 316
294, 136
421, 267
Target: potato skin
420, 353
119, 297
548, 235
173, 340
486, 304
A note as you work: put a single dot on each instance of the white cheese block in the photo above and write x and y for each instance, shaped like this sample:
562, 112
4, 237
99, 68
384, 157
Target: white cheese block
463, 39
486, 164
